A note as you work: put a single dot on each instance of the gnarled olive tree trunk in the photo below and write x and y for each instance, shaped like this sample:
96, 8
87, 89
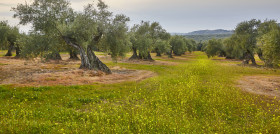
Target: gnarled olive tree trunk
158, 52
95, 62
11, 47
169, 54
73, 55
18, 51
146, 57
88, 58
149, 57
249, 56
134, 56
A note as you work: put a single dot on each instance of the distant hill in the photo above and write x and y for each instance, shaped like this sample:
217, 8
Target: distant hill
204, 35
210, 32
207, 32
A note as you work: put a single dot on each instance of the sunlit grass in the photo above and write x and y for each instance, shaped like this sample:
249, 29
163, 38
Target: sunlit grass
2, 53
195, 96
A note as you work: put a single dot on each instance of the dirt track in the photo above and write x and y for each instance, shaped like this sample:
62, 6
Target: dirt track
261, 85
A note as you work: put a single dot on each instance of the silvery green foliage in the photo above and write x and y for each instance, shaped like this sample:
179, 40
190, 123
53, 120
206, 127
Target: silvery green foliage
178, 44
55, 20
269, 43
214, 47
117, 37
147, 36
8, 34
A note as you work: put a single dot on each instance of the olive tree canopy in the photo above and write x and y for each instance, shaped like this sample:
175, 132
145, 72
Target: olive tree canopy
81, 30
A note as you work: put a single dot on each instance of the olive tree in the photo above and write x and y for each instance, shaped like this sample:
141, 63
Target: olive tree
8, 38
159, 38
214, 47
81, 30
178, 45
141, 40
117, 37
233, 48
146, 37
269, 43
35, 44
191, 45
247, 33
264, 28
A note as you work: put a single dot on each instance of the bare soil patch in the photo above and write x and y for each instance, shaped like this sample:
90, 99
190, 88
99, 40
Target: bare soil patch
20, 72
261, 85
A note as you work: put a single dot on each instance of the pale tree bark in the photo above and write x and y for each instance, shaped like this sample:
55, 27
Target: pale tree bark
96, 63
88, 58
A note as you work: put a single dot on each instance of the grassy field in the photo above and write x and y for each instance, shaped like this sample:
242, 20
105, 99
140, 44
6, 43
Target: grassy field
198, 95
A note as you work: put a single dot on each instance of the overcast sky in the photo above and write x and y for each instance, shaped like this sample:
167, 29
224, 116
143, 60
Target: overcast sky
178, 15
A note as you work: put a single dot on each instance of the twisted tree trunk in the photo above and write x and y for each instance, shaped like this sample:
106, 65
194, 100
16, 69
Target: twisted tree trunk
88, 58
96, 63
11, 47
73, 55
169, 54
134, 56
247, 57
18, 51
158, 52
260, 54
149, 57
252, 57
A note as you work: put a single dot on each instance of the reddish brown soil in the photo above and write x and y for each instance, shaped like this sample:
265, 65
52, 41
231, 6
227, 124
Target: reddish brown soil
261, 85
20, 72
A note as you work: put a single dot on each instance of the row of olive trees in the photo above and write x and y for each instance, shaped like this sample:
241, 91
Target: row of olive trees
31, 45
57, 27
149, 37
249, 39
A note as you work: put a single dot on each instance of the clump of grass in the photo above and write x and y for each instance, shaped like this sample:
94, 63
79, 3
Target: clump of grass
2, 64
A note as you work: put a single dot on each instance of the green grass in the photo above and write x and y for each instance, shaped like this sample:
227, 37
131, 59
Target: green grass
2, 53
195, 96
2, 64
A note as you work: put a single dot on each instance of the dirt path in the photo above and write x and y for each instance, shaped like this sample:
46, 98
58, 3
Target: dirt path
36, 73
261, 85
